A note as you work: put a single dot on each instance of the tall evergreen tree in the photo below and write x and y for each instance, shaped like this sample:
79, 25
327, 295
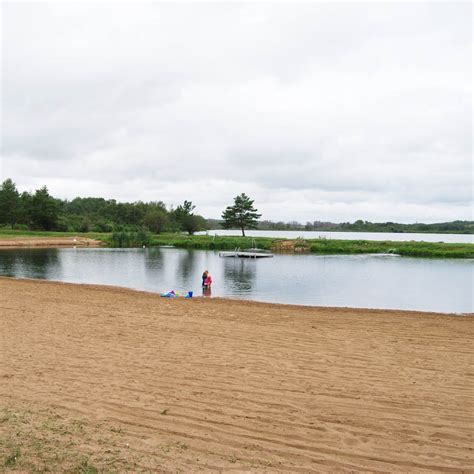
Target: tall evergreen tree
43, 212
241, 215
9, 203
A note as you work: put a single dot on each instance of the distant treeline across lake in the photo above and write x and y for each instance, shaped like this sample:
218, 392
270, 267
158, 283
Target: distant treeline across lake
39, 211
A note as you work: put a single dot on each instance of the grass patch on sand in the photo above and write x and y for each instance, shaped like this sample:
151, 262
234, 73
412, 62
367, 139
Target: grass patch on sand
46, 441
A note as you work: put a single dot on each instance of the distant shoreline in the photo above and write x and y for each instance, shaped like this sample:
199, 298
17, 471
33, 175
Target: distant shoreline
347, 231
24, 239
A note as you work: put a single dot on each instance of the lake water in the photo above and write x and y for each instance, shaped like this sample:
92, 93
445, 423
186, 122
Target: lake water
294, 234
366, 281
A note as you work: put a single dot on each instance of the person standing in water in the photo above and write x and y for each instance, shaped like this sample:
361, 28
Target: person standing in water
206, 283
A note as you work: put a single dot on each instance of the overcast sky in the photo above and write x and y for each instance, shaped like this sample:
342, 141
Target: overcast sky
322, 111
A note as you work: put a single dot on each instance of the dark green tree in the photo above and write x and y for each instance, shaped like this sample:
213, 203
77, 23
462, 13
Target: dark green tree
241, 215
156, 220
43, 210
129, 214
195, 223
9, 203
24, 207
186, 219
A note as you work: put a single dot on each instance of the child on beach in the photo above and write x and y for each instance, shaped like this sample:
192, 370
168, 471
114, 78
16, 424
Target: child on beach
204, 276
206, 280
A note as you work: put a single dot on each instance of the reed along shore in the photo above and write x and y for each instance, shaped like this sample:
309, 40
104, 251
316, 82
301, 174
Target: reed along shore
108, 379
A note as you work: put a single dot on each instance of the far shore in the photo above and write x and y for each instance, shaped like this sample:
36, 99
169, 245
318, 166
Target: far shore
22, 239
108, 379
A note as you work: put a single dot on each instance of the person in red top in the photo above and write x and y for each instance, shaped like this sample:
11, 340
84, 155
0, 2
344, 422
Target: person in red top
206, 284
208, 281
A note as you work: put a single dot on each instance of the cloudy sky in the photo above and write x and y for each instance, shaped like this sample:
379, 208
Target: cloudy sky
318, 111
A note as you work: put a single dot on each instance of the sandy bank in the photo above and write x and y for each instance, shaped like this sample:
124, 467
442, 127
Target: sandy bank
122, 380
21, 242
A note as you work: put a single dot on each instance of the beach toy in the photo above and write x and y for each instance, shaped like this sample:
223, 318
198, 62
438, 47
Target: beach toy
175, 294
170, 294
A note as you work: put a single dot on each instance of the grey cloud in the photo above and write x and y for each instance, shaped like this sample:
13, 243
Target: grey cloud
347, 103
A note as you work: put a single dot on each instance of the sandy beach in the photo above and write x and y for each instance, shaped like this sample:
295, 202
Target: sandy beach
56, 242
118, 380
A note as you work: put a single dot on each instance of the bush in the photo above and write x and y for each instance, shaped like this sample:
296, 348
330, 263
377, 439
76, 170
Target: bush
130, 239
101, 227
20, 227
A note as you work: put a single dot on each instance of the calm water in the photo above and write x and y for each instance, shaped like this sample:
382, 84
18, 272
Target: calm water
293, 234
355, 281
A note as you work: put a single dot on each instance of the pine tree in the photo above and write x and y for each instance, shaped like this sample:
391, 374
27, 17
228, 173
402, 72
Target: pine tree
43, 210
241, 215
9, 203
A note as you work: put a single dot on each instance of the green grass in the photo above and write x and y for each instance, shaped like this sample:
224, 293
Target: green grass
11, 459
408, 249
322, 246
207, 242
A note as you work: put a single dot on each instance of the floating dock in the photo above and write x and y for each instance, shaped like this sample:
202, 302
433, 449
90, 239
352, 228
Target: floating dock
250, 253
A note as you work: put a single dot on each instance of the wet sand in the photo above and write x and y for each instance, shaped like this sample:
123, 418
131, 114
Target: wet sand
121, 380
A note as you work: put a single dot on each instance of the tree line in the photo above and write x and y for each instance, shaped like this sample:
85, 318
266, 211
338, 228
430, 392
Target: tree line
39, 210
453, 227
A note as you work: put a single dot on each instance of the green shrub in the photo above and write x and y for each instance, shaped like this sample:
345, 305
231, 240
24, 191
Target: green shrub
130, 239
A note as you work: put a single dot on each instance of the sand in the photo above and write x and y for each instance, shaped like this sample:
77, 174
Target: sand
21, 242
118, 380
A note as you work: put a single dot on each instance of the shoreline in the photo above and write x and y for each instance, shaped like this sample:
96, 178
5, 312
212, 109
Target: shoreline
95, 286
414, 249
117, 379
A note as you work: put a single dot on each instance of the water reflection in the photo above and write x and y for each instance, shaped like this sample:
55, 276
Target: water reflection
30, 263
154, 261
187, 264
240, 274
